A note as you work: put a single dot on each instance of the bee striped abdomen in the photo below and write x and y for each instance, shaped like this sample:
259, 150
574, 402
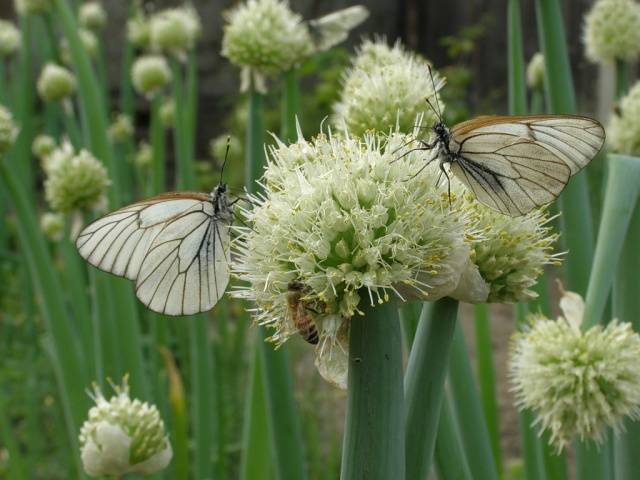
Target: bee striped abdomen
302, 319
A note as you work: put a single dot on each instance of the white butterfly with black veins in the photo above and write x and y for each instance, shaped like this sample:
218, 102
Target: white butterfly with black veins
513, 164
333, 28
174, 246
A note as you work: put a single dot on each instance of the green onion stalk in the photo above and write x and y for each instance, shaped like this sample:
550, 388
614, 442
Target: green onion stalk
536, 455
94, 109
627, 309
255, 461
374, 435
424, 385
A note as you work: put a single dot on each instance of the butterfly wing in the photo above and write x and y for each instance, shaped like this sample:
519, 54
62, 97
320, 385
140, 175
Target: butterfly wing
332, 29
515, 164
131, 242
186, 269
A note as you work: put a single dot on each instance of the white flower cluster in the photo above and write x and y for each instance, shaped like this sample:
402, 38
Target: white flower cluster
265, 37
174, 31
577, 382
9, 38
123, 436
55, 83
8, 130
612, 31
385, 89
623, 133
74, 181
535, 71
351, 222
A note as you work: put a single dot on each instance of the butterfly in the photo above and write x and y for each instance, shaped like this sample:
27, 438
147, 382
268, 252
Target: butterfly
332, 29
175, 246
514, 164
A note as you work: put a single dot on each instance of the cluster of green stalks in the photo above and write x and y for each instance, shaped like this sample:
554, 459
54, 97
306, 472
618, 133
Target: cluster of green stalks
400, 422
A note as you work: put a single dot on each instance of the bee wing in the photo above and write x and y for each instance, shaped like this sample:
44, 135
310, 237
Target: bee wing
516, 164
134, 242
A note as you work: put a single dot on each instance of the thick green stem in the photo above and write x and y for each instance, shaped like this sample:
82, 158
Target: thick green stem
255, 461
255, 140
486, 377
290, 106
284, 425
158, 176
90, 94
623, 187
592, 461
450, 458
468, 409
424, 383
374, 439
49, 291
182, 129
20, 157
626, 304
203, 406
622, 78
576, 219
517, 86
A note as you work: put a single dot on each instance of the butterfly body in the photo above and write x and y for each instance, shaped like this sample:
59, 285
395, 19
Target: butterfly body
175, 246
514, 164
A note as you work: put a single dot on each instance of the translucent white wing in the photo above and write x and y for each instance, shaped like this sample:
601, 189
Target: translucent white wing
186, 269
516, 164
130, 242
334, 28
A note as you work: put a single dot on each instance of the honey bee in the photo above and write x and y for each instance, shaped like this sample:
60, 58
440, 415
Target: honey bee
299, 313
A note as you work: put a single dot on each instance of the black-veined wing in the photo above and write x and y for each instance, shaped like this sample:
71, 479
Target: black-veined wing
172, 246
332, 29
514, 164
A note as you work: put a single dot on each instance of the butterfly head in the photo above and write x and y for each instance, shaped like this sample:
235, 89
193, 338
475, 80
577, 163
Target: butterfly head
442, 132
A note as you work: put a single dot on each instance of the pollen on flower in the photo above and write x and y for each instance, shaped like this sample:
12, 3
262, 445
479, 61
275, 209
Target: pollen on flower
385, 89
123, 436
577, 382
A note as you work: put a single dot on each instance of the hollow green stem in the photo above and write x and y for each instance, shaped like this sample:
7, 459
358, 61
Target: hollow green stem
622, 78
159, 180
424, 383
284, 425
626, 306
450, 458
468, 410
486, 377
517, 86
255, 461
290, 105
71, 381
576, 219
623, 187
374, 438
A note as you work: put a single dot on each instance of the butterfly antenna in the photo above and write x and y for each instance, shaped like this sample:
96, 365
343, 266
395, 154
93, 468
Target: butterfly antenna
226, 156
435, 95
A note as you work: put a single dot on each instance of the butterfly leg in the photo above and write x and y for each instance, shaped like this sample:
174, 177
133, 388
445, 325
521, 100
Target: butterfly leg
444, 171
